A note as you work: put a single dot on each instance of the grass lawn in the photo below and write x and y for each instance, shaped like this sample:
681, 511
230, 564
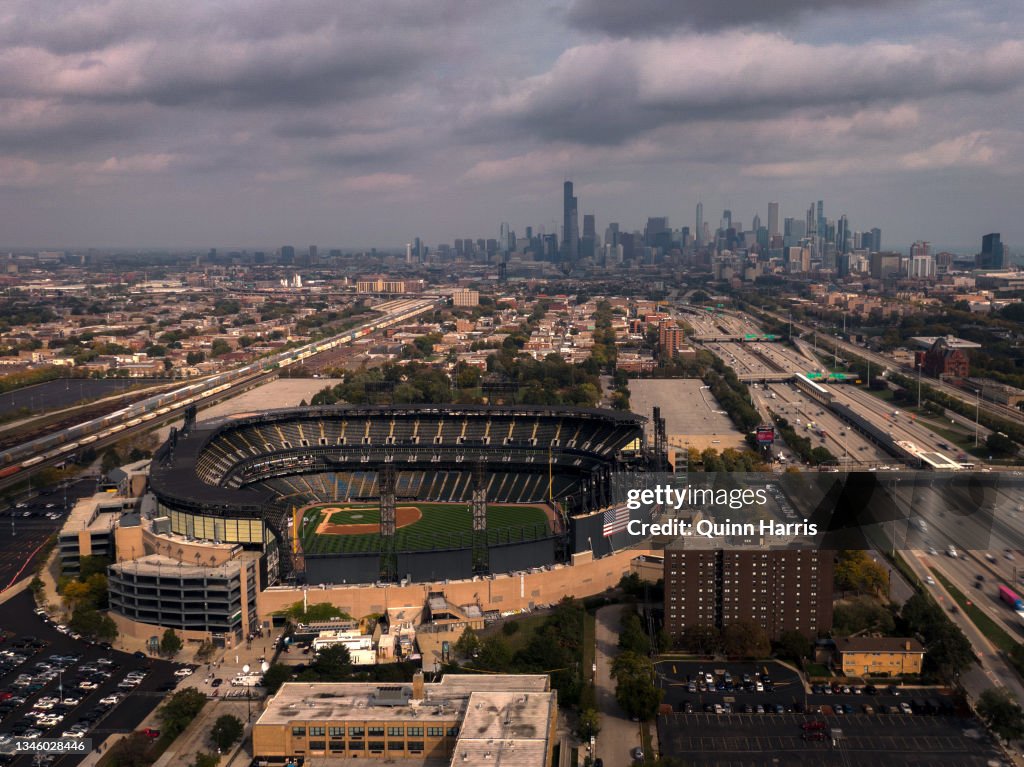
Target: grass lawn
442, 525
816, 669
528, 624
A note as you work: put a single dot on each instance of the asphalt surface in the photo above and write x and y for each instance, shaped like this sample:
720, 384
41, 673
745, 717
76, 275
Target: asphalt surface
788, 690
732, 740
17, 618
23, 529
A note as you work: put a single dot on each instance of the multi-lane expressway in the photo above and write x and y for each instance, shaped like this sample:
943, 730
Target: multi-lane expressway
992, 408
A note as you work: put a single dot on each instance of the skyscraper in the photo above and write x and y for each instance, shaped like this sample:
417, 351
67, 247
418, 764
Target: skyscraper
699, 231
992, 254
611, 234
287, 254
588, 241
773, 219
570, 224
843, 234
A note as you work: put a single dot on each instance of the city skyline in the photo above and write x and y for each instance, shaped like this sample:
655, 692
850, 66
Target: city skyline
138, 126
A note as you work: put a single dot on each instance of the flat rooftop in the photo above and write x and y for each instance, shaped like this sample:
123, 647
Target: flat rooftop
160, 565
505, 728
97, 512
442, 701
952, 341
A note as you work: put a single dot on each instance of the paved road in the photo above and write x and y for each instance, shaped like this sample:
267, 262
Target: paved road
618, 734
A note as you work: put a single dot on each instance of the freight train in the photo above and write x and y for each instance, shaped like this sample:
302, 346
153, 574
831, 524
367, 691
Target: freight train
66, 441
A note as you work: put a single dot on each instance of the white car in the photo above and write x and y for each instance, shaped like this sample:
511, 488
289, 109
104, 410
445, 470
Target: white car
111, 700
181, 673
73, 734
929, 580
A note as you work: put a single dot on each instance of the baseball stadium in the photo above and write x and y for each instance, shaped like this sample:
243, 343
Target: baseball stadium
368, 494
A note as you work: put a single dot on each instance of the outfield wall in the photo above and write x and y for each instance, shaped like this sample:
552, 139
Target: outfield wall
501, 592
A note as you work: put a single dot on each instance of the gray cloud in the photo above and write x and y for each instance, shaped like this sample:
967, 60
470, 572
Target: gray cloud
660, 17
610, 91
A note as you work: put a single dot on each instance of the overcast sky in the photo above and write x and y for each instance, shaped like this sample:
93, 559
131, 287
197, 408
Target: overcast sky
368, 122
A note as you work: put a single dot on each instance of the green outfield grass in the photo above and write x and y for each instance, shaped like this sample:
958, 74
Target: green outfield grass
442, 525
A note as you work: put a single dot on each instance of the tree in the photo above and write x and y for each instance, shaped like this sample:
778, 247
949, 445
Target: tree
332, 664
275, 676
205, 760
949, 649
77, 594
589, 725
194, 358
632, 636
495, 655
1001, 713
110, 460
859, 614
634, 689
226, 731
1001, 445
793, 645
745, 639
93, 624
321, 611
700, 639
219, 347
170, 643
856, 571
179, 710
131, 751
467, 645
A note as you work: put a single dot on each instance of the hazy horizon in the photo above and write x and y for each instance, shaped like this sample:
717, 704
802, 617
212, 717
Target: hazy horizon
127, 124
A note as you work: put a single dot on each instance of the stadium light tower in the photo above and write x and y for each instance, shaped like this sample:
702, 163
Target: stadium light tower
389, 563
478, 507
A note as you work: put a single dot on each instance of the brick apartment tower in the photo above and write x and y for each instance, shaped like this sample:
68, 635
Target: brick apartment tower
782, 590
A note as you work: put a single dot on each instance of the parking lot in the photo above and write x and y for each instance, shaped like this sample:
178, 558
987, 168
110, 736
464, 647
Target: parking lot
104, 691
731, 740
27, 523
781, 688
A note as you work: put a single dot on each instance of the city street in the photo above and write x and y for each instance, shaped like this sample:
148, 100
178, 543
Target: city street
618, 734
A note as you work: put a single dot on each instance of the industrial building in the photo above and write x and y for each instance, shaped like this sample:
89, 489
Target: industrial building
461, 719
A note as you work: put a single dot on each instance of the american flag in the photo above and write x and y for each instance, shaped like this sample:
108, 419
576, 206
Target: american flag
615, 521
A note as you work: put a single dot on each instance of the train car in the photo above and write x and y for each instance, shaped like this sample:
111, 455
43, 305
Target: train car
89, 439
32, 462
9, 470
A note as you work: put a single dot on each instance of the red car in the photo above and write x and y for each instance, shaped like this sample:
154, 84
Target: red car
818, 735
149, 732
813, 725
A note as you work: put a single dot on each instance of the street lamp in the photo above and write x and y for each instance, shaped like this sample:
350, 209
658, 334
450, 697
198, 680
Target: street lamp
248, 688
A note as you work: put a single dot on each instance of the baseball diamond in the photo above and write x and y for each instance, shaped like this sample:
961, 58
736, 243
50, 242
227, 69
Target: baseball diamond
350, 528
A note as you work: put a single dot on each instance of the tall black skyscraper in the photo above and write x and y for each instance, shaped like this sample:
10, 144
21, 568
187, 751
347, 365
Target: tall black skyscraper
992, 252
570, 224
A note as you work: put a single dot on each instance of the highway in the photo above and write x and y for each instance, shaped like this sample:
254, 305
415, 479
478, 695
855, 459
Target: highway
852, 449
992, 408
903, 426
